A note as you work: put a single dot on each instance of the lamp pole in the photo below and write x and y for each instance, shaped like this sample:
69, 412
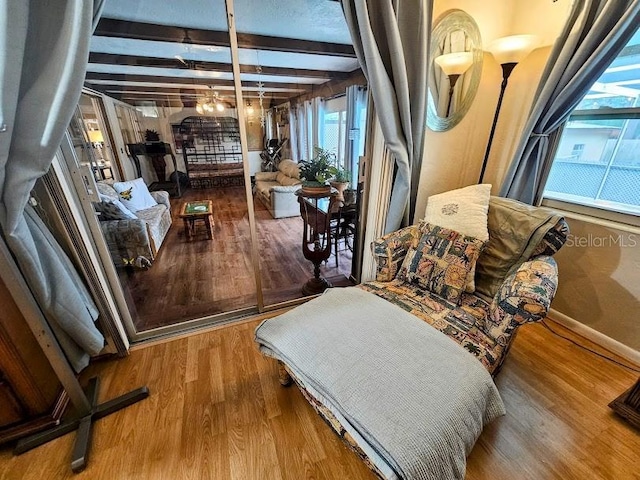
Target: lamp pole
507, 68
453, 78
508, 52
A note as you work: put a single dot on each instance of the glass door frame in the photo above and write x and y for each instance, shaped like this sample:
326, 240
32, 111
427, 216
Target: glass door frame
86, 191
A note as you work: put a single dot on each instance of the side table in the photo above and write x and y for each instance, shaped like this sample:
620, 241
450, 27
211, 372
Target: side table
193, 212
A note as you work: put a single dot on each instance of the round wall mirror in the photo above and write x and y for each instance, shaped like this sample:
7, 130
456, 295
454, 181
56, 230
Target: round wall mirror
455, 70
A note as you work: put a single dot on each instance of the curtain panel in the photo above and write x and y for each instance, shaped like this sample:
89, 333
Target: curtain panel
595, 33
356, 104
301, 120
293, 133
42, 67
391, 40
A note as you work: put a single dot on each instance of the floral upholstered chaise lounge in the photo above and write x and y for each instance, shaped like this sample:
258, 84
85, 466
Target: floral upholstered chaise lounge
408, 400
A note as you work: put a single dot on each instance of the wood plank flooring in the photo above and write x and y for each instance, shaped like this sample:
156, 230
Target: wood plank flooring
191, 279
216, 411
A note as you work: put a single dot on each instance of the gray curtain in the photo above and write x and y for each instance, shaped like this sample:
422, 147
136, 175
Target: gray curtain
391, 40
42, 66
595, 33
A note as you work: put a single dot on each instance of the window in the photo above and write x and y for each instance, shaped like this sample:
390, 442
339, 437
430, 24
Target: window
577, 151
335, 125
597, 163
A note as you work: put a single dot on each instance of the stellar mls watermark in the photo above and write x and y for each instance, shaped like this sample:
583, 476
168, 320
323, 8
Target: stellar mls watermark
600, 241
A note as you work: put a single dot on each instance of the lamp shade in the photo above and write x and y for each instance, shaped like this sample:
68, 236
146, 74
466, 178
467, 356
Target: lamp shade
513, 49
454, 63
95, 136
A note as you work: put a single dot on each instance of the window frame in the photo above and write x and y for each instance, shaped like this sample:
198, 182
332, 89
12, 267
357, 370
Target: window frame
562, 202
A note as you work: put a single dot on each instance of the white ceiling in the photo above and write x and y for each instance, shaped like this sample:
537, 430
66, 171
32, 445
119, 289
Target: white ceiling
317, 21
208, 53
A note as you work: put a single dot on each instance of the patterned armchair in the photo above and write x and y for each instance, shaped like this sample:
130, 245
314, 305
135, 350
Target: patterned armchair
515, 282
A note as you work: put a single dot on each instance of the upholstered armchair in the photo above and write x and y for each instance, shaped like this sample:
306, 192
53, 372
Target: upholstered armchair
512, 287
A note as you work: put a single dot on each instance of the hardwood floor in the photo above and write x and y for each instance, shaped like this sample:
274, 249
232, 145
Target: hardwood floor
191, 279
216, 411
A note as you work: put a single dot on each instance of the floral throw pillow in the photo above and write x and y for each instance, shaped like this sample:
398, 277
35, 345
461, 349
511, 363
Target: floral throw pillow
441, 262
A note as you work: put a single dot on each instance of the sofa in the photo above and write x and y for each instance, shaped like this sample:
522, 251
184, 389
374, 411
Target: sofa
404, 367
133, 238
276, 190
515, 280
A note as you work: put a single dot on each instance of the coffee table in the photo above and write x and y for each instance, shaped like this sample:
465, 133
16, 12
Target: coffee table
192, 212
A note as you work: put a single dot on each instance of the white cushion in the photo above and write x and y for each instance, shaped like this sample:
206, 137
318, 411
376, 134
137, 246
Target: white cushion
464, 210
134, 194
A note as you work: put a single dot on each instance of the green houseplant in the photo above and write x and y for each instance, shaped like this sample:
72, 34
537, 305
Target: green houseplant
316, 172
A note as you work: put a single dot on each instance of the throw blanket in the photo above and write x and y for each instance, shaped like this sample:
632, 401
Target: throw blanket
417, 397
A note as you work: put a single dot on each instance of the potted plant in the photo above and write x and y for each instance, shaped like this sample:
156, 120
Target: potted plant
315, 173
340, 181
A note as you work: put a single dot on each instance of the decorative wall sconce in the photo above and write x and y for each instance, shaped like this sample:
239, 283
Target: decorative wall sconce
508, 52
453, 65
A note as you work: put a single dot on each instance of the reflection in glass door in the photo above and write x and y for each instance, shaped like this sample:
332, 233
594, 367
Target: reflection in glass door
182, 256
90, 138
227, 242
296, 87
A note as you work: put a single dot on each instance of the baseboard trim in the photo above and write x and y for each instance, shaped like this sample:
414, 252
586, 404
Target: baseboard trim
601, 339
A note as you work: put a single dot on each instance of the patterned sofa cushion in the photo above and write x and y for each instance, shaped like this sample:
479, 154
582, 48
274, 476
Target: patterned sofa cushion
462, 323
442, 261
110, 209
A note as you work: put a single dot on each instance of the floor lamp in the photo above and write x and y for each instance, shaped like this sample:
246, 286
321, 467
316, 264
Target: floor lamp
454, 65
508, 52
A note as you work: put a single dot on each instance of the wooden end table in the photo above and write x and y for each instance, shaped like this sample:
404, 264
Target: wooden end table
192, 212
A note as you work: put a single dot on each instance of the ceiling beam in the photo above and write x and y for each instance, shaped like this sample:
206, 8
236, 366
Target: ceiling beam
110, 27
149, 94
121, 77
114, 59
159, 91
332, 88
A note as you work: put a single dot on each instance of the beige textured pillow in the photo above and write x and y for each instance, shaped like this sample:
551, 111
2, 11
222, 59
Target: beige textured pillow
464, 210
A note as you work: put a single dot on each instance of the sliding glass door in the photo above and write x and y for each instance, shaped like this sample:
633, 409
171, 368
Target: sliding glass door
295, 86
193, 205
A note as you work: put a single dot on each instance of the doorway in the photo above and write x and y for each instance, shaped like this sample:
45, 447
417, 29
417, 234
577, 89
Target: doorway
180, 118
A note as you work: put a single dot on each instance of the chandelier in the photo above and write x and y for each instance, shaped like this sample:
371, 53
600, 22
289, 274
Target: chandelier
210, 103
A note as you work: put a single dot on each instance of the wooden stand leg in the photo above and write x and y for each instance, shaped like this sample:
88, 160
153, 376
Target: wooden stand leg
188, 226
283, 376
209, 221
627, 405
